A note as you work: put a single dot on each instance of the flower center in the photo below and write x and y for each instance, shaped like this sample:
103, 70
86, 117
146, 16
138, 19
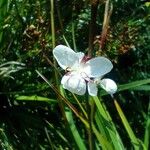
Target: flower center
79, 69
85, 59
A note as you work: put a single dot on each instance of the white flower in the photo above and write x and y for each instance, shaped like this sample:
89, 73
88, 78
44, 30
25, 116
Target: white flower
82, 71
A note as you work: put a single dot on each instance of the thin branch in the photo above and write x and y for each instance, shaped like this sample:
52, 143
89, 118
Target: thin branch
106, 20
94, 7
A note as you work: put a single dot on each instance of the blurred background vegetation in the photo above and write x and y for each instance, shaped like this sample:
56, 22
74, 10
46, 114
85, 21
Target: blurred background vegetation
30, 116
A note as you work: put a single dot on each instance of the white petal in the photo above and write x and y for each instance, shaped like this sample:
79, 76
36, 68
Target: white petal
80, 55
109, 85
66, 57
74, 83
64, 79
77, 64
98, 67
92, 88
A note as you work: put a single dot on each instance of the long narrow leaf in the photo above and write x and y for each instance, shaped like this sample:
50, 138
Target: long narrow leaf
106, 125
129, 130
77, 138
35, 98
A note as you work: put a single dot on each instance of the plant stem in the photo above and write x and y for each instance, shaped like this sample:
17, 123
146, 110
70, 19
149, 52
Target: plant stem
94, 7
107, 15
49, 139
52, 23
53, 37
73, 37
59, 15
90, 139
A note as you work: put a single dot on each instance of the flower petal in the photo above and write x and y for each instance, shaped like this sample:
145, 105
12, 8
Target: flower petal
74, 83
109, 86
92, 88
66, 57
98, 67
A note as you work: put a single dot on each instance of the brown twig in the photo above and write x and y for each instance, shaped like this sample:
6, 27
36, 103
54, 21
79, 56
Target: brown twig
94, 7
106, 20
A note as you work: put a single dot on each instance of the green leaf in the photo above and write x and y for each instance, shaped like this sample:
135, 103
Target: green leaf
105, 144
147, 134
134, 140
133, 84
142, 88
106, 126
71, 125
74, 131
35, 98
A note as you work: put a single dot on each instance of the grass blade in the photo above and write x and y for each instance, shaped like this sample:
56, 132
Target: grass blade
129, 130
106, 126
77, 138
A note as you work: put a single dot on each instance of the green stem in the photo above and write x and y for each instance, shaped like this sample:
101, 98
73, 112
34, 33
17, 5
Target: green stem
81, 107
52, 23
49, 139
147, 129
90, 139
53, 37
73, 37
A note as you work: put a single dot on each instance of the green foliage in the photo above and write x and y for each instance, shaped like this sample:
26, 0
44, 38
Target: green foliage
36, 113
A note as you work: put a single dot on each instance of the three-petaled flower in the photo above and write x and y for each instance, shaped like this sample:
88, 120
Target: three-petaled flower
83, 72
